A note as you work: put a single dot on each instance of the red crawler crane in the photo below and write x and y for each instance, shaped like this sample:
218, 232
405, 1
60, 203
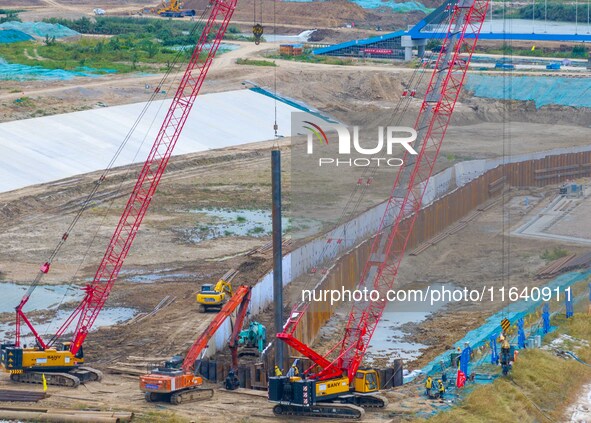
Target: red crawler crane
62, 365
338, 387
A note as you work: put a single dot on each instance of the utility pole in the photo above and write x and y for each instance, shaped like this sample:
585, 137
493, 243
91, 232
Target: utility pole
277, 253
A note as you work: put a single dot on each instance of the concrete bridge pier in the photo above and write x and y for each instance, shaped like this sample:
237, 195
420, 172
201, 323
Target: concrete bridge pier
410, 43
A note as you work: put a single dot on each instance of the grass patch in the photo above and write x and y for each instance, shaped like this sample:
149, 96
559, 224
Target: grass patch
169, 31
257, 230
308, 57
240, 219
24, 102
255, 62
137, 45
121, 54
539, 388
158, 417
555, 254
564, 52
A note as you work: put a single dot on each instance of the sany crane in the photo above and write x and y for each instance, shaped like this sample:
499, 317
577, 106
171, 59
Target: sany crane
337, 387
62, 364
177, 383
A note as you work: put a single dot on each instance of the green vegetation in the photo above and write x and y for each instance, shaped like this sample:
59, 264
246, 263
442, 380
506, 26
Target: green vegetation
555, 254
10, 11
134, 45
9, 15
240, 219
24, 102
308, 57
578, 51
539, 388
121, 54
556, 11
158, 417
553, 10
254, 62
257, 230
168, 32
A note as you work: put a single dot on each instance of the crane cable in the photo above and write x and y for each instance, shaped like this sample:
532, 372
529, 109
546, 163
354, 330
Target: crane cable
88, 201
275, 126
506, 149
368, 173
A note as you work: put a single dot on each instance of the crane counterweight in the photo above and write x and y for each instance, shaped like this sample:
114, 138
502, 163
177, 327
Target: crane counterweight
18, 360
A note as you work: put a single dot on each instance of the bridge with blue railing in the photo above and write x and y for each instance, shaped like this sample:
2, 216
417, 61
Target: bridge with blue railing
400, 44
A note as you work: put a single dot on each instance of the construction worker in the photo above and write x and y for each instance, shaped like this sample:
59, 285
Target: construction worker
296, 371
505, 353
428, 386
441, 389
278, 371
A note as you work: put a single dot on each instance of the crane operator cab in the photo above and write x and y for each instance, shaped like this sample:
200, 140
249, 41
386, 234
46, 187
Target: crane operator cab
366, 381
18, 359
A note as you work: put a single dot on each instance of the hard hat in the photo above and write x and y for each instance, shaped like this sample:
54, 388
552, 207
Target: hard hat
439, 381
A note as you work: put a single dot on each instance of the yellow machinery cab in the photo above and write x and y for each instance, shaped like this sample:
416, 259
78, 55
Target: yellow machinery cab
212, 296
366, 380
16, 359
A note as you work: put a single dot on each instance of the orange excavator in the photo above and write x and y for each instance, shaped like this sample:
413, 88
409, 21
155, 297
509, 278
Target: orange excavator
177, 380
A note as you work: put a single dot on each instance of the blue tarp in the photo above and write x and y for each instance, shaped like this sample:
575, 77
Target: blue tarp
399, 6
542, 90
16, 72
40, 29
13, 36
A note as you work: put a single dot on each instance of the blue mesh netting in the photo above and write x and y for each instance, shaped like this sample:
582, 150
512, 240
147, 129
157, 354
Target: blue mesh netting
13, 36
542, 90
16, 72
40, 29
479, 336
399, 6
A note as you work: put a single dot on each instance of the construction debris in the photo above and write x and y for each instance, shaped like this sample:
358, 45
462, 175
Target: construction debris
269, 247
555, 267
63, 415
165, 302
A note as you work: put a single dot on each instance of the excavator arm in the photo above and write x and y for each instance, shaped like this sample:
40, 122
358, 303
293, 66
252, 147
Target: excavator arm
240, 299
238, 323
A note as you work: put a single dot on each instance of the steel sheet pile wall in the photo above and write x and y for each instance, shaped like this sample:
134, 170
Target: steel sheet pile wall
442, 213
452, 194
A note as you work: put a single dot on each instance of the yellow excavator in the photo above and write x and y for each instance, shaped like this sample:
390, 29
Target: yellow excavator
213, 297
173, 9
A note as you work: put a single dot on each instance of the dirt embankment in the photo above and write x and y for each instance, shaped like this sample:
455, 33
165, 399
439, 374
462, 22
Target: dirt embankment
317, 14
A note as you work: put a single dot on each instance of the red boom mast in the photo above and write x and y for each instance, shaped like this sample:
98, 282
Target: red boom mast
392, 237
98, 291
